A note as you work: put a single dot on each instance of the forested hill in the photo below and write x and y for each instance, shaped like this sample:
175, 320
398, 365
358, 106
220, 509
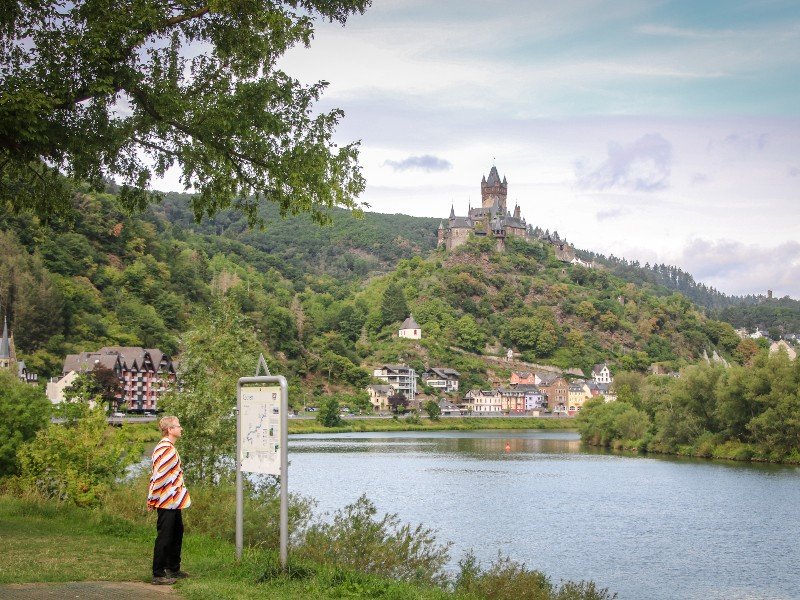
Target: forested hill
348, 248
327, 302
777, 315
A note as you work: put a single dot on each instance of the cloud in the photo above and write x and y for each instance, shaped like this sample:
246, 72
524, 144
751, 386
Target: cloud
610, 213
686, 33
643, 166
737, 268
699, 178
794, 172
740, 144
425, 162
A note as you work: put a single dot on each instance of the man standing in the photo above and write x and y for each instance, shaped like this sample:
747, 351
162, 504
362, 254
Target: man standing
168, 495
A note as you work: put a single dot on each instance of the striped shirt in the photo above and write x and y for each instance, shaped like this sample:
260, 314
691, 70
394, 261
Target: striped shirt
166, 483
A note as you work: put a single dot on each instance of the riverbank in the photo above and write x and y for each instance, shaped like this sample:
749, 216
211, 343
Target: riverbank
353, 424
148, 432
706, 448
36, 534
48, 543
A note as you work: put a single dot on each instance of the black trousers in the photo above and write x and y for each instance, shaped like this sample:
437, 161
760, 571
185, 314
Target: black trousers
167, 550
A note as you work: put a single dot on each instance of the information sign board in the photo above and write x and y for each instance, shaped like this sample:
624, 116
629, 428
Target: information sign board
260, 432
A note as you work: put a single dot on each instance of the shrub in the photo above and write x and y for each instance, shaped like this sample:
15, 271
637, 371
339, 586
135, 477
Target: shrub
328, 414
356, 540
75, 462
24, 410
507, 579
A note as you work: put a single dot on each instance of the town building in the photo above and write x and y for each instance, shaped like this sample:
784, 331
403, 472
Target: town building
441, 379
410, 329
602, 374
144, 374
579, 392
448, 408
556, 389
57, 385
524, 378
512, 400
483, 402
379, 396
535, 399
401, 377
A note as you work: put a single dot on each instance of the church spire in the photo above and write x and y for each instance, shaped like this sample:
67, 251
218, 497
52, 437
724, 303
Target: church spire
452, 212
5, 345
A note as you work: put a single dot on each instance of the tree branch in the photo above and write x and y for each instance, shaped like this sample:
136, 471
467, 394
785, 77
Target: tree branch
185, 17
155, 146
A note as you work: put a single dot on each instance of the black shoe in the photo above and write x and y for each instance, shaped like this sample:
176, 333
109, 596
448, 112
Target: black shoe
177, 574
165, 580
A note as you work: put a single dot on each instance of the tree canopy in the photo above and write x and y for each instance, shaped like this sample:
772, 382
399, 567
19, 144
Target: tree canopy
98, 90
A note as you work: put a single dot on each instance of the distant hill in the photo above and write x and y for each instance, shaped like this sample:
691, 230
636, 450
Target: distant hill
348, 248
781, 315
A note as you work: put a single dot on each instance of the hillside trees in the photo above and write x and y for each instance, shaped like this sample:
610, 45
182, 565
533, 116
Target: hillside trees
220, 347
24, 410
240, 130
29, 296
538, 333
394, 307
742, 412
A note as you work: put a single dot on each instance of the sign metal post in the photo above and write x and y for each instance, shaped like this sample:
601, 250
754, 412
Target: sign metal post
262, 407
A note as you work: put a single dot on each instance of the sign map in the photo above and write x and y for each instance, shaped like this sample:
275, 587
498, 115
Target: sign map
261, 430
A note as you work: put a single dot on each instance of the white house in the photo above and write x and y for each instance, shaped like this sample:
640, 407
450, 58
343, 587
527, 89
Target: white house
401, 377
602, 374
410, 329
56, 386
484, 401
442, 379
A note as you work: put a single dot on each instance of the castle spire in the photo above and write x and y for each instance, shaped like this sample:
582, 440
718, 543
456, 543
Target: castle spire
452, 212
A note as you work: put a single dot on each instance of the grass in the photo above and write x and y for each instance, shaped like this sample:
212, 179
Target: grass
49, 543
45, 542
444, 424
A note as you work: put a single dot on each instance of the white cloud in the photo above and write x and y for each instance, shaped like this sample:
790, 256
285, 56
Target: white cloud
739, 268
643, 166
425, 162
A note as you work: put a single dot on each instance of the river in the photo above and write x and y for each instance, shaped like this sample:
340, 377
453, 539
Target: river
647, 528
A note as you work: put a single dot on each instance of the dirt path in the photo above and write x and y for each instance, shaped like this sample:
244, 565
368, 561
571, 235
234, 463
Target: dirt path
89, 590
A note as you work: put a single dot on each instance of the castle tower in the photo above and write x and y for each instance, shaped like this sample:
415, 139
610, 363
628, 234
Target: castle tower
493, 190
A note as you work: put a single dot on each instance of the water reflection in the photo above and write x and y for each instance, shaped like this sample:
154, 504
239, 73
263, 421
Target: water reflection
481, 445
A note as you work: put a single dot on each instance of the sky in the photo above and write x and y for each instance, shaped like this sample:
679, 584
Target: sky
660, 131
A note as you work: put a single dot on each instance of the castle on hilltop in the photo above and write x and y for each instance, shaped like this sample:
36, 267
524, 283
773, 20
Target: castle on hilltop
492, 218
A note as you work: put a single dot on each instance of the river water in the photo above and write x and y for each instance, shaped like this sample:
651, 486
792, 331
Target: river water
647, 528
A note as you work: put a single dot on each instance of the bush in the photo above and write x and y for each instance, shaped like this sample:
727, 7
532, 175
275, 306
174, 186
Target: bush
75, 462
24, 410
507, 579
433, 410
413, 419
328, 414
356, 540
